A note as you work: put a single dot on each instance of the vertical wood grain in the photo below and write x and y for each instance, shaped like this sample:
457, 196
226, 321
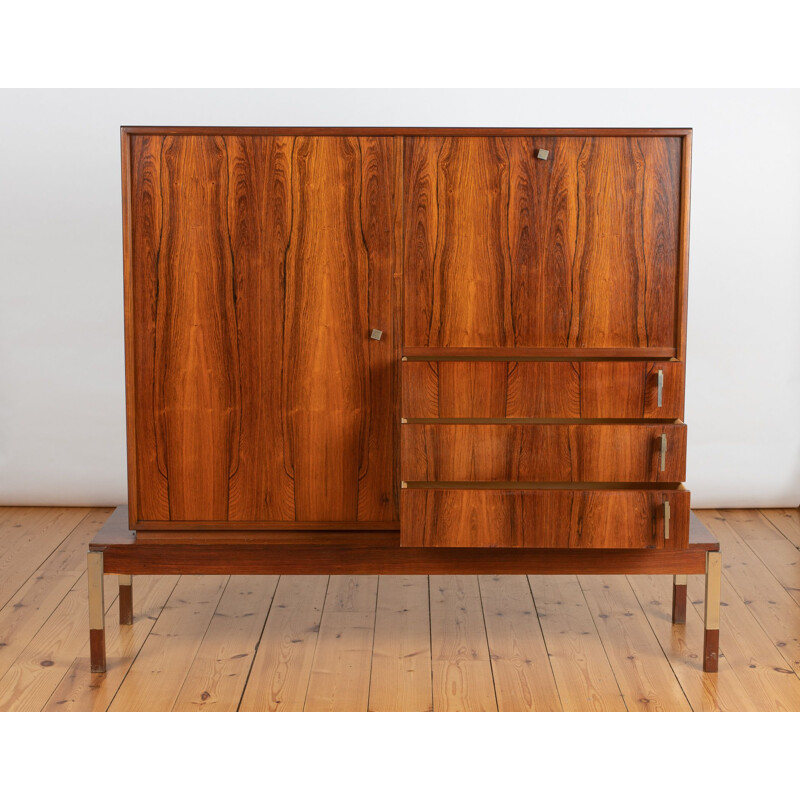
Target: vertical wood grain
340, 675
150, 497
196, 353
462, 671
579, 250
259, 223
259, 265
279, 676
400, 678
523, 678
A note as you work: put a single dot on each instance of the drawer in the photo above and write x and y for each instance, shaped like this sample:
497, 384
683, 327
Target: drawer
559, 452
542, 389
588, 517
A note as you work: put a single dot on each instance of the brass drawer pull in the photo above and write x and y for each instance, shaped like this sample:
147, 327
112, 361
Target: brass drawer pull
660, 387
376, 334
663, 451
666, 519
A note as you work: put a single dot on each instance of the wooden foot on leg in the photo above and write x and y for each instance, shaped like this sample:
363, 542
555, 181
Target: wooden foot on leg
679, 600
126, 600
711, 636
97, 627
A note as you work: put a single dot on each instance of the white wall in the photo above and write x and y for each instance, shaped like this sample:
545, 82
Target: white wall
62, 413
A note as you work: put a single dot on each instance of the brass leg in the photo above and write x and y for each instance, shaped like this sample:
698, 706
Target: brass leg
97, 632
126, 600
679, 600
711, 636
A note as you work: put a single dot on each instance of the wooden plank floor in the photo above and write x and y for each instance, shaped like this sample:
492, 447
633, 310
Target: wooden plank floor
395, 643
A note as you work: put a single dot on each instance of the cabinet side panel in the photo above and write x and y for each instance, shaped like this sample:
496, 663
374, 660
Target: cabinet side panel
142, 291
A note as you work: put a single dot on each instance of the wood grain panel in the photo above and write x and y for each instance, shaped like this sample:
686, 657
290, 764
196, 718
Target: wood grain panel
142, 283
260, 226
504, 249
551, 518
196, 355
542, 452
630, 389
541, 389
259, 266
457, 267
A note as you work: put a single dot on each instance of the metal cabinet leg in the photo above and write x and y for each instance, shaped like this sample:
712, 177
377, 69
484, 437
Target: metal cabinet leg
711, 635
126, 600
97, 629
679, 600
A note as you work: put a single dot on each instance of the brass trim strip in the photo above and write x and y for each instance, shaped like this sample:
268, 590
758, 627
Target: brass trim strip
713, 589
96, 597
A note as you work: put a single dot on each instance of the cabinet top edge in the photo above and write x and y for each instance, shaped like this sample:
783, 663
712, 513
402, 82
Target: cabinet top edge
179, 130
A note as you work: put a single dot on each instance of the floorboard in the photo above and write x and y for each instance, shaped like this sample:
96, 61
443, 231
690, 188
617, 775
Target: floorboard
643, 674
786, 520
401, 653
523, 677
83, 690
220, 669
340, 672
36, 599
282, 666
462, 670
155, 678
398, 643
583, 673
757, 585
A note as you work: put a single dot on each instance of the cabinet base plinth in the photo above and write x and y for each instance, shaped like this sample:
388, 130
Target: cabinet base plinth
371, 554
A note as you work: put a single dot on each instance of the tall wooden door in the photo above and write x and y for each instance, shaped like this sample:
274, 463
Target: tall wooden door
257, 267
541, 242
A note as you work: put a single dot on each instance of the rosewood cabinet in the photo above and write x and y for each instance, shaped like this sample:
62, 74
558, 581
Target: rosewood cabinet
406, 350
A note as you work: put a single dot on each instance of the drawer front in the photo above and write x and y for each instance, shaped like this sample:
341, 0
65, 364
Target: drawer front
547, 518
542, 389
543, 452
